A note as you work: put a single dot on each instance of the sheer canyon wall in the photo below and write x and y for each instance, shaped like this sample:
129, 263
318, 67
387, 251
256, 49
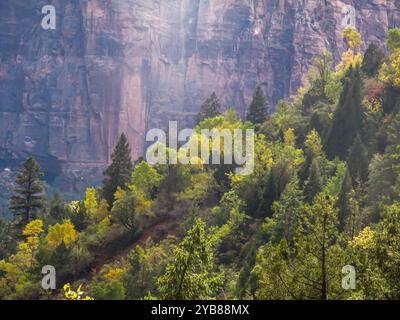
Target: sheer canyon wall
114, 66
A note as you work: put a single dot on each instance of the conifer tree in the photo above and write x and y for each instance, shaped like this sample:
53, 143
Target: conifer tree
118, 174
209, 109
347, 119
357, 160
57, 209
373, 59
308, 270
191, 275
314, 183
287, 211
349, 213
258, 109
28, 198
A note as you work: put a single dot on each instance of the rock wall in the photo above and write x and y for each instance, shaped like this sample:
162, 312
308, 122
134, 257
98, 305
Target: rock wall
130, 65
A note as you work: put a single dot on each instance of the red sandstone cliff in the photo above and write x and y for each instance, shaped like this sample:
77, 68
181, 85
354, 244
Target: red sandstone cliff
129, 65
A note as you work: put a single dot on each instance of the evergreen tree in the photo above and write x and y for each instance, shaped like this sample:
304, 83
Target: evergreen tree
28, 199
309, 270
258, 109
314, 183
357, 160
191, 275
387, 249
57, 210
7, 243
287, 211
349, 211
347, 119
118, 174
209, 109
373, 59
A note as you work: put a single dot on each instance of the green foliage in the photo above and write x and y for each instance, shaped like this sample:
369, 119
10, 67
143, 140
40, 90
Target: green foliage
28, 199
310, 270
113, 290
347, 119
287, 212
7, 243
145, 178
191, 273
130, 209
373, 59
209, 109
352, 37
118, 174
145, 265
324, 194
58, 210
357, 160
314, 183
258, 109
393, 42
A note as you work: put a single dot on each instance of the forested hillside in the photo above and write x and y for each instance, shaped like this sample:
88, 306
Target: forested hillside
324, 196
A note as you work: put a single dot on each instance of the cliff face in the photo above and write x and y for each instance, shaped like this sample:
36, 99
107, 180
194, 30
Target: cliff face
130, 65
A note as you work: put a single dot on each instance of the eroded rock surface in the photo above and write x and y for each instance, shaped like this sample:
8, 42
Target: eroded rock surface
130, 65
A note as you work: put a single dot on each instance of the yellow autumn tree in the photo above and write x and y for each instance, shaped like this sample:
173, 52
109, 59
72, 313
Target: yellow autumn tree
290, 137
364, 240
352, 57
390, 70
90, 201
313, 144
59, 233
15, 275
31, 231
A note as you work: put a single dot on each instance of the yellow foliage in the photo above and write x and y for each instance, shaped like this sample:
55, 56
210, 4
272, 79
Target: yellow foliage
349, 59
313, 143
33, 228
364, 240
353, 37
74, 295
290, 137
119, 194
102, 210
59, 233
90, 201
114, 274
390, 70
31, 232
74, 206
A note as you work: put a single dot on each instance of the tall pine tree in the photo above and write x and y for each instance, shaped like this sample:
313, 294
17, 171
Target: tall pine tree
357, 160
28, 198
347, 119
258, 109
209, 109
118, 174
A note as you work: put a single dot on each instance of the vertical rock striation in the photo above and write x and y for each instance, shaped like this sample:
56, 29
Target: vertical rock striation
130, 65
